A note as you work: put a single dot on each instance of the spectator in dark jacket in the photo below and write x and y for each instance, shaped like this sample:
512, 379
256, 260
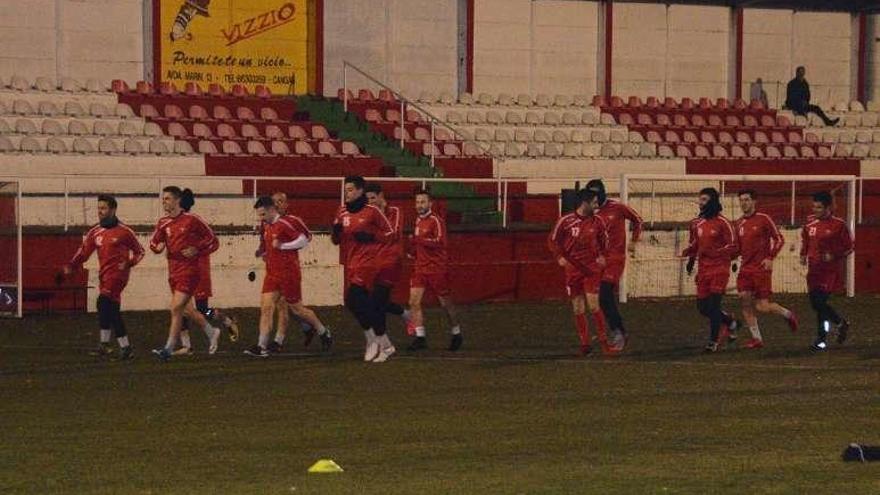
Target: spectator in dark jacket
797, 98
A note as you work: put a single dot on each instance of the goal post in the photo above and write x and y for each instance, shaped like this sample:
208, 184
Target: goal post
667, 203
11, 291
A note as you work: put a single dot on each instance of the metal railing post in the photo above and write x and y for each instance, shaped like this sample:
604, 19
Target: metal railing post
861, 197
433, 147
66, 204
851, 259
793, 203
402, 120
19, 268
504, 207
345, 86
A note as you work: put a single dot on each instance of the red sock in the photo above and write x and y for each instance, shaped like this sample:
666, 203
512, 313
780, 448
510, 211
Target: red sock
583, 331
599, 321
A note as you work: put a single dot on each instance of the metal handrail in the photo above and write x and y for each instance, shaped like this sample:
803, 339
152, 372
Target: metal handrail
406, 101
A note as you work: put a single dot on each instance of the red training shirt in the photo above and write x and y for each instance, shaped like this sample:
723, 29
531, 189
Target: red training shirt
429, 241
712, 242
615, 215
580, 241
758, 239
825, 235
286, 228
114, 245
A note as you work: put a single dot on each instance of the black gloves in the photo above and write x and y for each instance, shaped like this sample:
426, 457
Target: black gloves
364, 237
690, 265
337, 229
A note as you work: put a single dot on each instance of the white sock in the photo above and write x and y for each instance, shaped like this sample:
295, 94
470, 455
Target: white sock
786, 313
370, 335
406, 315
756, 334
105, 336
184, 339
279, 339
170, 343
420, 331
209, 330
456, 330
384, 341
123, 341
322, 329
263, 341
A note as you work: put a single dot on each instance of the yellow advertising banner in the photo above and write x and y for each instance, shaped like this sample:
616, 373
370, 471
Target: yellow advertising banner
247, 42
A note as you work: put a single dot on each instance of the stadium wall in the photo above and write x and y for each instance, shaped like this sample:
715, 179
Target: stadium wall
410, 45
82, 39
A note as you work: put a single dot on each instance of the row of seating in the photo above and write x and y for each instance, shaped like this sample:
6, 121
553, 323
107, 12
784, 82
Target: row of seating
738, 151
574, 150
47, 84
386, 99
83, 145
326, 149
685, 104
539, 135
663, 120
69, 108
860, 150
249, 131
200, 113
844, 135
722, 136
530, 118
79, 127
191, 89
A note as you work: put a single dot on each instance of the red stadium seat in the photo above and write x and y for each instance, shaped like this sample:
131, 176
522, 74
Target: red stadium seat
144, 88
778, 137
625, 119
722, 104
653, 137
303, 148
782, 121
202, 131
177, 130
698, 120
750, 121
725, 137
740, 104
705, 104
326, 148
273, 132
261, 91
148, 111
808, 152
761, 137
250, 131
226, 131
715, 120
701, 151
222, 113
755, 152
690, 137
245, 113
119, 86
269, 114
707, 137
680, 120
319, 132
719, 151
683, 151
207, 147
756, 105
663, 120
767, 121
669, 103
392, 115
824, 151
366, 95
743, 137
732, 121
297, 132
167, 89
598, 101
671, 137
634, 102
192, 89
279, 148
216, 90
790, 152
452, 149
616, 102
239, 91
231, 148
429, 149
686, 104
772, 152
172, 111
373, 115
387, 96
256, 148
198, 112
652, 102
644, 119
737, 151
414, 116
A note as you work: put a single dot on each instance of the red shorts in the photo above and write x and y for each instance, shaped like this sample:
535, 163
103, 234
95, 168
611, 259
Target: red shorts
759, 283
389, 275
183, 276
290, 287
711, 283
203, 290
365, 276
825, 279
613, 270
438, 283
112, 287
578, 282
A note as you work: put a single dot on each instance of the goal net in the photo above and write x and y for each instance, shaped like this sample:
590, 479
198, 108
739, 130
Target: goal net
668, 203
10, 250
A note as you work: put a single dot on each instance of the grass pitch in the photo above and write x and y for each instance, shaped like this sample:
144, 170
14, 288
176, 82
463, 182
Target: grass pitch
514, 412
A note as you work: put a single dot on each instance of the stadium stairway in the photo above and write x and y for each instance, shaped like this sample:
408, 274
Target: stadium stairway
464, 203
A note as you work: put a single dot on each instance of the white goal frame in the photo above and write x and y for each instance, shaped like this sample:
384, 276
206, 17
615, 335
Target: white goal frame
794, 179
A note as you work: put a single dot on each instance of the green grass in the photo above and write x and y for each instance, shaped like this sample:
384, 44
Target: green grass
514, 412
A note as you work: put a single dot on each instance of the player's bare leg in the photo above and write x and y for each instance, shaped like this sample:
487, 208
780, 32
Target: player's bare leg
765, 306
281, 314
751, 319
200, 321
307, 315
179, 302
454, 326
417, 316
599, 321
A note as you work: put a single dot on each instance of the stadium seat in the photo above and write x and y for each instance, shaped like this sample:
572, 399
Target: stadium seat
874, 151
257, 148
446, 98
663, 120
351, 149
560, 137
132, 146
824, 151
52, 127
772, 152
78, 128
207, 147
543, 100
6, 145
607, 119
514, 150
202, 131
168, 89
319, 132
599, 136
229, 147
830, 137
485, 99
466, 99
429, 149
572, 150
591, 150
807, 152
535, 150
848, 137
562, 101
56, 145
625, 119
581, 101
22, 107
160, 147
635, 137
647, 150
182, 148
540, 136
863, 136
245, 114
250, 131
860, 151
843, 150
737, 151
610, 150
30, 145
665, 151
103, 128
19, 83
755, 152
108, 145
279, 148
707, 137
719, 151
152, 129
552, 118
552, 150
224, 131
589, 118
701, 151
870, 119
26, 126
618, 136
683, 151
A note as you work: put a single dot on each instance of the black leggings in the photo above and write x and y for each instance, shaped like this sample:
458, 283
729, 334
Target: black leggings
110, 316
364, 308
710, 307
608, 302
824, 311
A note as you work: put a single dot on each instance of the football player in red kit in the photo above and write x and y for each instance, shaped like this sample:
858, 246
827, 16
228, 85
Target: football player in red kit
283, 237
712, 245
579, 242
204, 292
430, 272
360, 230
391, 255
615, 214
826, 241
184, 237
118, 251
758, 243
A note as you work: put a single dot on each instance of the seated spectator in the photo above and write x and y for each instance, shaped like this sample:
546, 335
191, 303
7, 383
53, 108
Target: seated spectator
797, 98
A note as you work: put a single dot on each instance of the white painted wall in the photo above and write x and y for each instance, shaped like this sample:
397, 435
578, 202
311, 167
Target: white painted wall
408, 44
83, 39
873, 62
535, 46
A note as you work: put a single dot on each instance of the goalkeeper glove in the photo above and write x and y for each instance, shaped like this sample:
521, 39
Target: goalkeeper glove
690, 265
